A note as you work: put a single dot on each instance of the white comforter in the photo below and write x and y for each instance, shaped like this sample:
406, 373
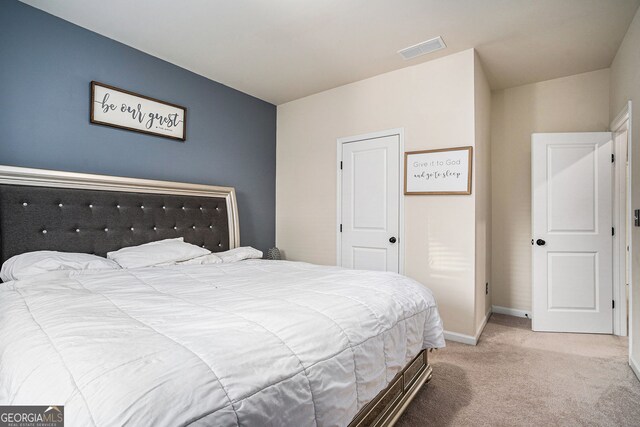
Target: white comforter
252, 343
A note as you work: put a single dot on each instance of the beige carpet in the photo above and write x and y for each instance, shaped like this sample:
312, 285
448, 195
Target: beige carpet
515, 377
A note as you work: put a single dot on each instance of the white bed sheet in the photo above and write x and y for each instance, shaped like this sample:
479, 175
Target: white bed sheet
251, 343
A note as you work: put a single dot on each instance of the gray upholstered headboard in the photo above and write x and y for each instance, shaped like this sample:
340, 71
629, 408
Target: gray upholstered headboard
72, 212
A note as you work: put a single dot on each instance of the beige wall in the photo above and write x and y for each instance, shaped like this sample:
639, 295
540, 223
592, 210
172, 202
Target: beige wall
625, 85
434, 103
570, 104
483, 191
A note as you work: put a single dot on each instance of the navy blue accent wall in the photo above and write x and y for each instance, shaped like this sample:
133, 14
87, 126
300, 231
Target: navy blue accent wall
46, 66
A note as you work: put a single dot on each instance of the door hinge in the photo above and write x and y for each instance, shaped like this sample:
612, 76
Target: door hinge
340, 164
613, 158
613, 231
341, 228
613, 304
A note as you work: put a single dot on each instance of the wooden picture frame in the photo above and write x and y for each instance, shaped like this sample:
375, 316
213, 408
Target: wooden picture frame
445, 171
123, 109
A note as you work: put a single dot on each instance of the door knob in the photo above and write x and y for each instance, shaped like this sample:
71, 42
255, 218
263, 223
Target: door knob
540, 242
393, 240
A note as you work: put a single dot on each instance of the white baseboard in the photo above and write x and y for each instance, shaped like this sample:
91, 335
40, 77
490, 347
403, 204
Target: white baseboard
487, 315
461, 338
511, 311
635, 367
468, 339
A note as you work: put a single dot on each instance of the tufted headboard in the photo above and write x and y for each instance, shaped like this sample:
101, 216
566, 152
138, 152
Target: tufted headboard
73, 212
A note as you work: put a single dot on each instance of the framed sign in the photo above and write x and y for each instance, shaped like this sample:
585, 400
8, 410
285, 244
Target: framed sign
122, 109
444, 171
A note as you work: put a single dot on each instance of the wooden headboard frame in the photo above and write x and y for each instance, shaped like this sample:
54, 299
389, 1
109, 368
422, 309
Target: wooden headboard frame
18, 182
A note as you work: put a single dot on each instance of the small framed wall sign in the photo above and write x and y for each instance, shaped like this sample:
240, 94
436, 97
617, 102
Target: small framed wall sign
122, 109
445, 171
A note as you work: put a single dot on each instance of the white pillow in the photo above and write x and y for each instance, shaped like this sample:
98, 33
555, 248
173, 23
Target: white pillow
154, 253
238, 254
33, 263
201, 260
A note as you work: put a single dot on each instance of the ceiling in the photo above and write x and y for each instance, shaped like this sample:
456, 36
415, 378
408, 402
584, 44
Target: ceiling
281, 50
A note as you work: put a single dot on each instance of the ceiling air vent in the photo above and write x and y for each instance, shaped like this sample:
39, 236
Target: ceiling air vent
421, 48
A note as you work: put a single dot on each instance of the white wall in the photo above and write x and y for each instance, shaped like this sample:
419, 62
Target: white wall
625, 85
578, 103
434, 102
483, 192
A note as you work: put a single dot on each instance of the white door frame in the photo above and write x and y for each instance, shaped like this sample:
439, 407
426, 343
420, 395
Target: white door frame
373, 135
622, 122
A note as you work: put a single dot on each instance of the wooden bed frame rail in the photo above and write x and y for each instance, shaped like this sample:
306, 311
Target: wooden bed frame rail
391, 402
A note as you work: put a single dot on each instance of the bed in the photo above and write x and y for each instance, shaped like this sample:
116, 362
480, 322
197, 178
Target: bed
254, 342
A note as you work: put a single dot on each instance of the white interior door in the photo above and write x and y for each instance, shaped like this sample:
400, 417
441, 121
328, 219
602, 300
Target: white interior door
370, 204
572, 232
